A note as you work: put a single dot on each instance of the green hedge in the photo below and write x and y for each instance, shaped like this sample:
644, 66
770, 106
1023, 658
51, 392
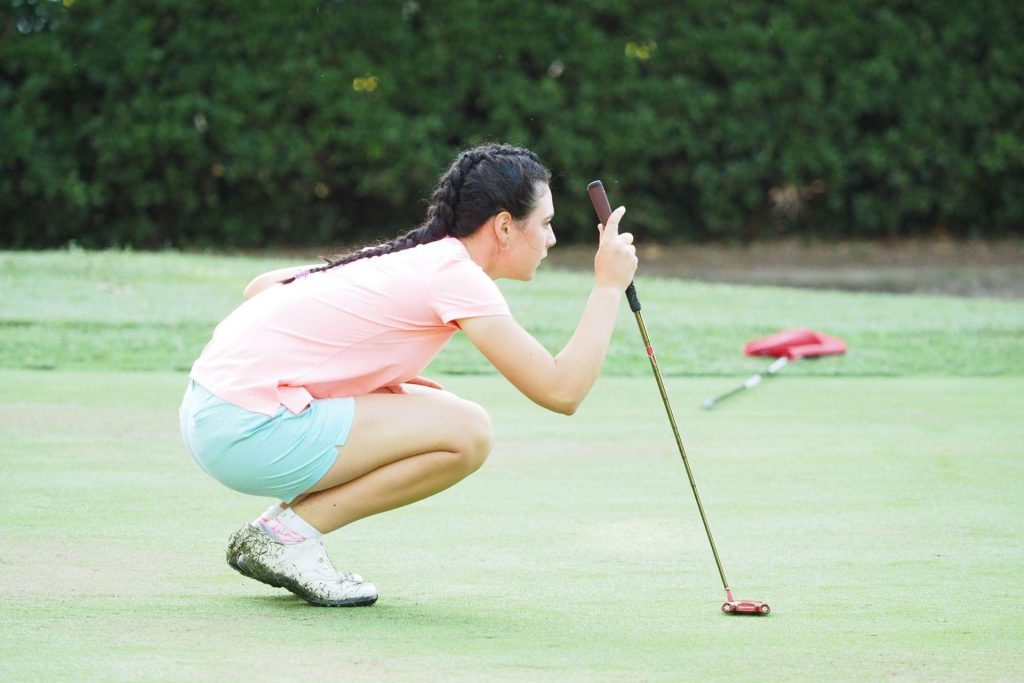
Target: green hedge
227, 123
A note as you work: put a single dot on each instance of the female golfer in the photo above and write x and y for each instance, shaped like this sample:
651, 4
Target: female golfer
309, 391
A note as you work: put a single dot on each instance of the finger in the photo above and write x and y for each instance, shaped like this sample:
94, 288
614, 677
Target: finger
626, 237
424, 382
391, 389
611, 227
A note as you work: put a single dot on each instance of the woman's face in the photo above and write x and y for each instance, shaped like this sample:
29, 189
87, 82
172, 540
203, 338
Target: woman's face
531, 237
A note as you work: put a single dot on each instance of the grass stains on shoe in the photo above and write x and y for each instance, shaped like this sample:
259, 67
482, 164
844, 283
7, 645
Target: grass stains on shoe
302, 568
235, 556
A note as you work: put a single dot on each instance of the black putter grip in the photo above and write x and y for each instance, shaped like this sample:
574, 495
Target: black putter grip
600, 200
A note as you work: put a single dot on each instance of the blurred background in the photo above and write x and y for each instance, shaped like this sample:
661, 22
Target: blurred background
240, 125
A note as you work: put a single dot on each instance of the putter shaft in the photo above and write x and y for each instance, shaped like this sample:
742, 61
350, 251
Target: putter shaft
599, 198
749, 384
679, 442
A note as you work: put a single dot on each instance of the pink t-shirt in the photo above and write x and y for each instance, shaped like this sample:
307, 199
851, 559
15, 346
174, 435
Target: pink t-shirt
348, 331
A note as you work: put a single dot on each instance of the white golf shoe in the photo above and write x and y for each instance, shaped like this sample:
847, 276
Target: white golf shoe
303, 568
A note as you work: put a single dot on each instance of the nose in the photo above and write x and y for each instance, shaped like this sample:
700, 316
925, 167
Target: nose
551, 237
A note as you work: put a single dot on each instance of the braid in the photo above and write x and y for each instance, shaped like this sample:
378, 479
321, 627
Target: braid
481, 182
409, 240
441, 212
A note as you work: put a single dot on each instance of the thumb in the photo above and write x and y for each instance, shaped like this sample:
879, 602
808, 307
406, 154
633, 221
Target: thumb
611, 227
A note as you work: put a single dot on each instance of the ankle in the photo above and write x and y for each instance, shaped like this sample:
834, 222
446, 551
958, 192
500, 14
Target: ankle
268, 514
289, 528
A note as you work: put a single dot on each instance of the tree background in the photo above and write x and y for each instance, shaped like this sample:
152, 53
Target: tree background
193, 123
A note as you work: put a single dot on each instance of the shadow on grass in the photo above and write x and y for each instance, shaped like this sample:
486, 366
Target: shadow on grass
484, 618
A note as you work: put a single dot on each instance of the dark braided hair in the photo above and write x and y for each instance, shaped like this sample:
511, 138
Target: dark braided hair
480, 183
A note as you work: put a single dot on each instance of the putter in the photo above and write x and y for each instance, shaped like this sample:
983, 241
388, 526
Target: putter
731, 606
780, 363
788, 346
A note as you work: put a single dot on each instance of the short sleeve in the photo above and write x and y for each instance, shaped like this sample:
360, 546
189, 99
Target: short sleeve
463, 290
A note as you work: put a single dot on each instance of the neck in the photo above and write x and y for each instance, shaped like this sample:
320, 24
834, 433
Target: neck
483, 249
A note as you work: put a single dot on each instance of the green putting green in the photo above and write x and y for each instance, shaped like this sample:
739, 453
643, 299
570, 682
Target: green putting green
878, 515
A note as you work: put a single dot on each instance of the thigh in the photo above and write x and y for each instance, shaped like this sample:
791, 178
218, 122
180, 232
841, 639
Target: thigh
391, 427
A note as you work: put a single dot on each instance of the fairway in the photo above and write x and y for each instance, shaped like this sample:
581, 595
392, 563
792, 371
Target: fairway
879, 517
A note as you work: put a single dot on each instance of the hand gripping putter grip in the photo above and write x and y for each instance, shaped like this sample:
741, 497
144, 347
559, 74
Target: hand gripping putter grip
731, 605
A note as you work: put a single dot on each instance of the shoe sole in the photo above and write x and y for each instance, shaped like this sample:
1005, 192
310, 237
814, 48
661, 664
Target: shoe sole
297, 588
238, 564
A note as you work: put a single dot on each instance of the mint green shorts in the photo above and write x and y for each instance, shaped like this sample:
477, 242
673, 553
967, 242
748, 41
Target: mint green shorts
280, 456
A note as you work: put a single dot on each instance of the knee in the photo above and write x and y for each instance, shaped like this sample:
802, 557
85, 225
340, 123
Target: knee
475, 436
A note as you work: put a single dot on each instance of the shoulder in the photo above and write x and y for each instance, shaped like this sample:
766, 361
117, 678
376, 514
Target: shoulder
438, 259
459, 288
451, 259
446, 249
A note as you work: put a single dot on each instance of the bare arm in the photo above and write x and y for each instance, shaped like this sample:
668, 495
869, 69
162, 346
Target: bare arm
270, 278
560, 383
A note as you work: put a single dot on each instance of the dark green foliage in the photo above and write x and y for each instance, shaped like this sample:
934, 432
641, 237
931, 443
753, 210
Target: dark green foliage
250, 123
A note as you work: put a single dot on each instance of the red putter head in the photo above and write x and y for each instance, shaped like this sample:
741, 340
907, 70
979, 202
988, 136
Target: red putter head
754, 607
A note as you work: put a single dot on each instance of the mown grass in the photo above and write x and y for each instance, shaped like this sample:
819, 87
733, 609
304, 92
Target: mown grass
873, 500
879, 517
80, 310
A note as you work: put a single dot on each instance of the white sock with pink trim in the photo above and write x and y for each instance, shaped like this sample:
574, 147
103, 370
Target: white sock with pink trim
288, 528
268, 514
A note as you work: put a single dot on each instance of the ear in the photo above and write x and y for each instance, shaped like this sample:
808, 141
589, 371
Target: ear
502, 222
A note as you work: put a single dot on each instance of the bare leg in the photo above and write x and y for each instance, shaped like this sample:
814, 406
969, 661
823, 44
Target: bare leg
402, 448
